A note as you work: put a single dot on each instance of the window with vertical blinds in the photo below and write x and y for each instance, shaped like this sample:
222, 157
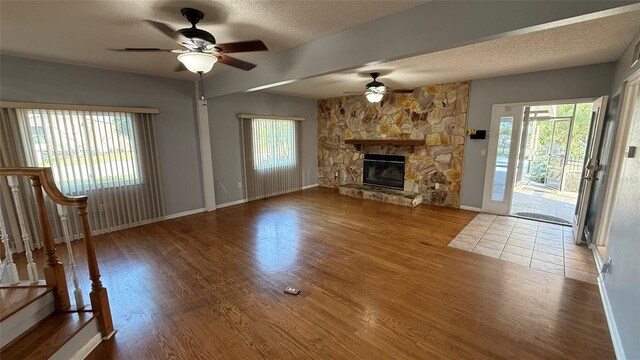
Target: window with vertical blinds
109, 156
272, 157
85, 150
274, 143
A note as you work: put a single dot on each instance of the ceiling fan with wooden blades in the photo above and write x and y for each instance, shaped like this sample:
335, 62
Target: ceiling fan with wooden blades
200, 51
375, 90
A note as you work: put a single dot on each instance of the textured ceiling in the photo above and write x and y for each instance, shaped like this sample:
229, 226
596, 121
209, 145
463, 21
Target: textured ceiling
589, 42
79, 32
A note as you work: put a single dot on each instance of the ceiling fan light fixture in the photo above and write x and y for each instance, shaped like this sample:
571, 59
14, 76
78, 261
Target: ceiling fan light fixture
197, 62
375, 94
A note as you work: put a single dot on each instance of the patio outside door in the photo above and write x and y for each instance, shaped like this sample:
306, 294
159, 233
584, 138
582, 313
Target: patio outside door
558, 153
590, 167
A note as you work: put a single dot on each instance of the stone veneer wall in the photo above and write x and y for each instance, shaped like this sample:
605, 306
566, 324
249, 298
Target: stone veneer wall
436, 113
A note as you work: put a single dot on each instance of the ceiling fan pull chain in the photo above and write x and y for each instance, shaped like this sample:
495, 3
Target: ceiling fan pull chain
201, 85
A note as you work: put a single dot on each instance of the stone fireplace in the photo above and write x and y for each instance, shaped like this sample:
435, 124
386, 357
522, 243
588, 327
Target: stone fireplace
427, 128
385, 171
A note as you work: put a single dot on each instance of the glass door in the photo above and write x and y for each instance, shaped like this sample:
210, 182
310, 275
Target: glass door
590, 167
506, 122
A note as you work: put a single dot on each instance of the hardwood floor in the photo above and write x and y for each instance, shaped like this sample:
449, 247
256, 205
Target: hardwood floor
377, 282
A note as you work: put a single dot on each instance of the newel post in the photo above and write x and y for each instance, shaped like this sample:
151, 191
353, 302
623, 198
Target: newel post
98, 294
54, 273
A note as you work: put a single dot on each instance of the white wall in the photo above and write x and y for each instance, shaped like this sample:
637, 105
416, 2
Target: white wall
226, 138
570, 83
176, 138
622, 283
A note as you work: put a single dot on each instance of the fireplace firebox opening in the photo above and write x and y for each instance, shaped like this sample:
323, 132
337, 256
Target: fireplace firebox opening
385, 171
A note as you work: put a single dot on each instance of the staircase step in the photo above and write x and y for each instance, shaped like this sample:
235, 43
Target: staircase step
21, 309
51, 334
14, 299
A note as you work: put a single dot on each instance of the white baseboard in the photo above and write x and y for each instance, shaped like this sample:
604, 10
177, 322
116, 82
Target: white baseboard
611, 321
242, 201
465, 207
231, 203
181, 214
88, 347
145, 222
596, 256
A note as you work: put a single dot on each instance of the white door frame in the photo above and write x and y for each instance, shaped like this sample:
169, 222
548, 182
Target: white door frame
498, 112
516, 138
629, 92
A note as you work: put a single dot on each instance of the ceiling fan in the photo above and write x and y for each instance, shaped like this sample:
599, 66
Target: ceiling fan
375, 90
202, 51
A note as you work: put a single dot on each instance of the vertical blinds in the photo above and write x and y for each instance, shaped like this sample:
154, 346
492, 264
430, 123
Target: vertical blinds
109, 156
272, 157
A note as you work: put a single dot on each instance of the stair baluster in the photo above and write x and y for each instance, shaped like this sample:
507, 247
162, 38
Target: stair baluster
32, 269
64, 221
98, 295
10, 269
54, 273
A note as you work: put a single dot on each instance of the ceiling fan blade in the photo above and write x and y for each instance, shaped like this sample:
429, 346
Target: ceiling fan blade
180, 68
242, 46
400, 91
167, 30
142, 50
236, 63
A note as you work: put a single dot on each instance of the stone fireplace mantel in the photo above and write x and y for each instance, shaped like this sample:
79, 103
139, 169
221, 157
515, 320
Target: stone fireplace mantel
359, 143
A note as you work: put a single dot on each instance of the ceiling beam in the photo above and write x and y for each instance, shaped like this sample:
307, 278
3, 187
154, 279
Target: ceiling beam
431, 27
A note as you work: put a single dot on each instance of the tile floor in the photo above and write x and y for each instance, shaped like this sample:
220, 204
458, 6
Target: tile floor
536, 198
539, 245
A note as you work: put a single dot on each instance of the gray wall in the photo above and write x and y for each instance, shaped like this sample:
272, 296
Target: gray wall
570, 83
176, 136
226, 142
623, 280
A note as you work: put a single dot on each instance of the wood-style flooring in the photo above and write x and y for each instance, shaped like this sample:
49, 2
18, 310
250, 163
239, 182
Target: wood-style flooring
377, 282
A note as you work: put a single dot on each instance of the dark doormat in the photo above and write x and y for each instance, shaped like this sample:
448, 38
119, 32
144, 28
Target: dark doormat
543, 217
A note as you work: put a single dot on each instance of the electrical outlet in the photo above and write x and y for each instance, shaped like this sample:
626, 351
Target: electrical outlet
436, 186
239, 185
292, 290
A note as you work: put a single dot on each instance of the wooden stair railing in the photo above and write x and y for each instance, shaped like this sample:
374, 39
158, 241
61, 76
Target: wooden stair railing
42, 178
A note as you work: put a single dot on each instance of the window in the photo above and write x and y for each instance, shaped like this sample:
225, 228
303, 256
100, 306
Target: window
502, 158
274, 143
86, 150
271, 159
